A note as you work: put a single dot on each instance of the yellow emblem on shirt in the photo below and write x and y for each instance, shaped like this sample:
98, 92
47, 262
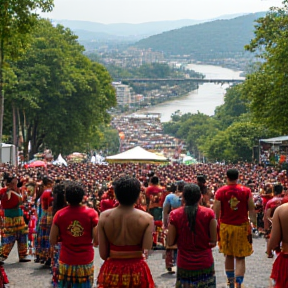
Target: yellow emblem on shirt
234, 203
76, 229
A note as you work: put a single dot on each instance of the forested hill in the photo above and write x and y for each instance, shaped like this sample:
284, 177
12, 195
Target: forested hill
211, 40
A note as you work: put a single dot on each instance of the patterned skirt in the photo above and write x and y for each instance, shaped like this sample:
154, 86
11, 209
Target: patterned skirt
204, 278
125, 273
235, 240
42, 244
55, 264
76, 276
280, 271
14, 229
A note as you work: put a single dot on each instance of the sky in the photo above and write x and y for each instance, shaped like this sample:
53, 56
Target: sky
139, 11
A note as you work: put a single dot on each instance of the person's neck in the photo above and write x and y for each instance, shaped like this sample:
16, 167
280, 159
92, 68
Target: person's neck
231, 182
125, 207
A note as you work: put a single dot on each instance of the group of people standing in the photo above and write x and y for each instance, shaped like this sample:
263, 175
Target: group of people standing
187, 218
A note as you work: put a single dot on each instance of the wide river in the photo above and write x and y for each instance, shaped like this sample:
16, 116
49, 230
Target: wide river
205, 99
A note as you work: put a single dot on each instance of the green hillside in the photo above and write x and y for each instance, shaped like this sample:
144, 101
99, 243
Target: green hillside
211, 40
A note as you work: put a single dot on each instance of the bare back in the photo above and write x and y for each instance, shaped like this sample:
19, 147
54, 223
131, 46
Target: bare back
279, 231
283, 219
126, 226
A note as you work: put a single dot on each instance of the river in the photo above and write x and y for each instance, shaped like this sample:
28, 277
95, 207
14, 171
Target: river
205, 99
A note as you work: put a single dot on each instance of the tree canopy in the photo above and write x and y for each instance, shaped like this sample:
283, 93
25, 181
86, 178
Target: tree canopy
17, 20
266, 88
61, 95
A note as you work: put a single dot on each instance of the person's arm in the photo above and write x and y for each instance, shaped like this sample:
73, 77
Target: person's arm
171, 236
268, 215
166, 210
54, 234
213, 232
217, 208
95, 236
102, 239
148, 235
276, 233
251, 209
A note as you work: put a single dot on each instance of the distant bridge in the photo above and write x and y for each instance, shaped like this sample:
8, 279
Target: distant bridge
195, 80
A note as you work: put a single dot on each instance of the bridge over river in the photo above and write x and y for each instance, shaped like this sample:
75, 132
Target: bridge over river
195, 80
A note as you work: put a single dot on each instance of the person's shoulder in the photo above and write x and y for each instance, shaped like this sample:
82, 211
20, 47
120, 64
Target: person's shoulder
90, 210
177, 211
206, 210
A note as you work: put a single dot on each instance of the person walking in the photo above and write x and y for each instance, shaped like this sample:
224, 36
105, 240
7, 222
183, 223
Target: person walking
124, 234
232, 204
194, 229
76, 227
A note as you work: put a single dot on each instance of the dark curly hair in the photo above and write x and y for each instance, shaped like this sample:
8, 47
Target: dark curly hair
59, 196
127, 190
74, 193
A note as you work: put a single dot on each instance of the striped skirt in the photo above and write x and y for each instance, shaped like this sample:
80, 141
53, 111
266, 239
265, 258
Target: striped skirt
203, 278
75, 276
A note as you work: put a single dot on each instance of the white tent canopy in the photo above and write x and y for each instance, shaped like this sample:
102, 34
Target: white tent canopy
98, 159
60, 161
136, 154
275, 140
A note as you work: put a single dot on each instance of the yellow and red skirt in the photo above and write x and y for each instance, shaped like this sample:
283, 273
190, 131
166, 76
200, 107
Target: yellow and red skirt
126, 269
235, 240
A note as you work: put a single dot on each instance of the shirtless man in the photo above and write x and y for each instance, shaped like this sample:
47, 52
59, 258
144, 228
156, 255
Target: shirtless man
124, 233
279, 235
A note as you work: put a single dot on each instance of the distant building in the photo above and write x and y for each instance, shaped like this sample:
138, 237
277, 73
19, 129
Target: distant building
123, 94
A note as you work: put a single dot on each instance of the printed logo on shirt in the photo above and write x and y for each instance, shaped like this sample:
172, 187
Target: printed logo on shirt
234, 203
76, 229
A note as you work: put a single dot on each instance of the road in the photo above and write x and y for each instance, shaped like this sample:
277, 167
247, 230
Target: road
258, 268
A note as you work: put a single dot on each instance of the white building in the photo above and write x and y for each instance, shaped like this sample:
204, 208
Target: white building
123, 94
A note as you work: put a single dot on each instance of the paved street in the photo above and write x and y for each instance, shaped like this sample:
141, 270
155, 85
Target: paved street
31, 275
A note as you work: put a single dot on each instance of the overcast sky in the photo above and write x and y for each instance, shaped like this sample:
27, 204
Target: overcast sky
139, 11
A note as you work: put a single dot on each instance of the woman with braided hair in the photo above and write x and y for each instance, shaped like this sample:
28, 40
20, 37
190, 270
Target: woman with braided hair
194, 229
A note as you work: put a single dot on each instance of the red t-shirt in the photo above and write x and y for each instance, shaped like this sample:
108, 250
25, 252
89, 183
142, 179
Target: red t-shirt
234, 203
155, 196
194, 252
46, 199
75, 230
273, 204
13, 202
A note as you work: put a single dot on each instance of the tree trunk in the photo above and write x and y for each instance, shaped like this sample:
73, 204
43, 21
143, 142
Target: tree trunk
1, 88
15, 138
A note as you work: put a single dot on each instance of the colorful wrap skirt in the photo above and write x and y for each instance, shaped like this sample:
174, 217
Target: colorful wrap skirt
279, 272
42, 244
75, 276
14, 229
55, 264
235, 240
203, 278
125, 273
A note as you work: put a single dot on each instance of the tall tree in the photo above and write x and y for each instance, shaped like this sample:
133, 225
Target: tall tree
61, 95
17, 19
267, 87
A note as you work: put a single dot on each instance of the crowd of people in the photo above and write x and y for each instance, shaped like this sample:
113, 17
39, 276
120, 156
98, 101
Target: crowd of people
56, 215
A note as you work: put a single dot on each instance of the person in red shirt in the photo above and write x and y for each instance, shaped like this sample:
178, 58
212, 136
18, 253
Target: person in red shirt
75, 226
154, 195
194, 229
43, 251
15, 228
232, 204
